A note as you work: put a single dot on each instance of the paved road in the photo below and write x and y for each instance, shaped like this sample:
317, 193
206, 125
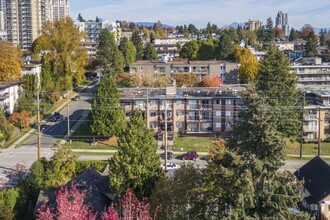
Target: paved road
290, 165
51, 132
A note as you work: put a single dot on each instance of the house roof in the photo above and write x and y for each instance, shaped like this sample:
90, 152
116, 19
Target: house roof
316, 176
94, 183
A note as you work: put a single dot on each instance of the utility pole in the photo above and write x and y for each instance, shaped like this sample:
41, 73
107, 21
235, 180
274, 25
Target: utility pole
67, 106
147, 108
319, 133
165, 136
302, 127
38, 118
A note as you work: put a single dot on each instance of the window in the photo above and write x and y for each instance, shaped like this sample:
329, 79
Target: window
218, 125
179, 102
228, 125
228, 102
141, 69
228, 113
153, 102
179, 125
153, 125
153, 114
218, 113
179, 113
218, 102
127, 103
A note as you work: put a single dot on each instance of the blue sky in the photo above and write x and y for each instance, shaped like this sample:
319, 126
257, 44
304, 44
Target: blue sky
199, 12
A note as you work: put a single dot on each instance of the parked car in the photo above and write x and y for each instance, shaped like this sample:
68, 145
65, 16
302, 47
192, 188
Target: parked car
76, 98
55, 117
171, 166
190, 155
170, 156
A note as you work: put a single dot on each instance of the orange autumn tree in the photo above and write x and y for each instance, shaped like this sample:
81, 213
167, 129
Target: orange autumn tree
10, 62
20, 119
211, 81
249, 65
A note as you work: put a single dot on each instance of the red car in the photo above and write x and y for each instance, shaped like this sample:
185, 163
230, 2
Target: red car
190, 155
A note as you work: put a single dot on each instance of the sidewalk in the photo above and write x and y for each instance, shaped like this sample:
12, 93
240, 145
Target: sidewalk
114, 151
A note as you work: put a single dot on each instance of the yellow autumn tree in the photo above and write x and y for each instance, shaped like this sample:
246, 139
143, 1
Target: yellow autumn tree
63, 38
249, 65
10, 63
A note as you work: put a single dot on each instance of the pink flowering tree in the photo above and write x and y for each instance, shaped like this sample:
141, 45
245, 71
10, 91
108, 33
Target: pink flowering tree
69, 205
129, 208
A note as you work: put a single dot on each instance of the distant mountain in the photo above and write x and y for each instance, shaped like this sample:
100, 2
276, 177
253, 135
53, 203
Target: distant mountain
234, 25
150, 24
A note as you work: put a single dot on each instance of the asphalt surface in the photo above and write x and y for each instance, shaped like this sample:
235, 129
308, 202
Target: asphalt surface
51, 132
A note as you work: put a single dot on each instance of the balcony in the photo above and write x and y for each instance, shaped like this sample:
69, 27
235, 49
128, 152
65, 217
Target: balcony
310, 128
192, 118
192, 106
312, 117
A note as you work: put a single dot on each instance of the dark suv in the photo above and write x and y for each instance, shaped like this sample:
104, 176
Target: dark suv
170, 156
190, 155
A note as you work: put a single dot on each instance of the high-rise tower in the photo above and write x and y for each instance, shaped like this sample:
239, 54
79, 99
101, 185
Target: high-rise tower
282, 23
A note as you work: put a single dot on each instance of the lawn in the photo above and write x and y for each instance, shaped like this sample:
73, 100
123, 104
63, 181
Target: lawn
308, 148
199, 144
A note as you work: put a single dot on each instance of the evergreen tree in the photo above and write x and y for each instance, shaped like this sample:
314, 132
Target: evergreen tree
108, 117
261, 147
150, 52
261, 34
128, 50
278, 85
225, 47
206, 50
270, 30
293, 35
109, 55
80, 18
311, 45
322, 36
136, 165
137, 41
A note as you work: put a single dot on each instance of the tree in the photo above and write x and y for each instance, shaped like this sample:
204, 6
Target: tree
206, 50
63, 166
279, 33
225, 47
275, 82
80, 18
261, 34
130, 207
20, 119
128, 50
211, 81
322, 36
10, 62
109, 55
150, 52
306, 30
189, 50
293, 35
136, 165
257, 140
69, 205
67, 56
249, 36
311, 45
270, 31
180, 196
137, 41
6, 129
48, 80
185, 79
249, 65
108, 117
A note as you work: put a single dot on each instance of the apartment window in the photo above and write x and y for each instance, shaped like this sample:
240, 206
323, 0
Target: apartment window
153, 125
218, 102
127, 103
152, 102
228, 102
228, 125
179, 113
179, 102
228, 113
218, 113
153, 114
179, 125
218, 125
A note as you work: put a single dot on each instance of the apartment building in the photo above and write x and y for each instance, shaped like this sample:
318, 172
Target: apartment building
60, 9
227, 71
205, 111
9, 93
281, 22
23, 19
253, 25
94, 28
311, 71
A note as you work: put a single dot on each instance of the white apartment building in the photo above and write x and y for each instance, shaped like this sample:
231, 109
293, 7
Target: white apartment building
311, 71
60, 9
9, 93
